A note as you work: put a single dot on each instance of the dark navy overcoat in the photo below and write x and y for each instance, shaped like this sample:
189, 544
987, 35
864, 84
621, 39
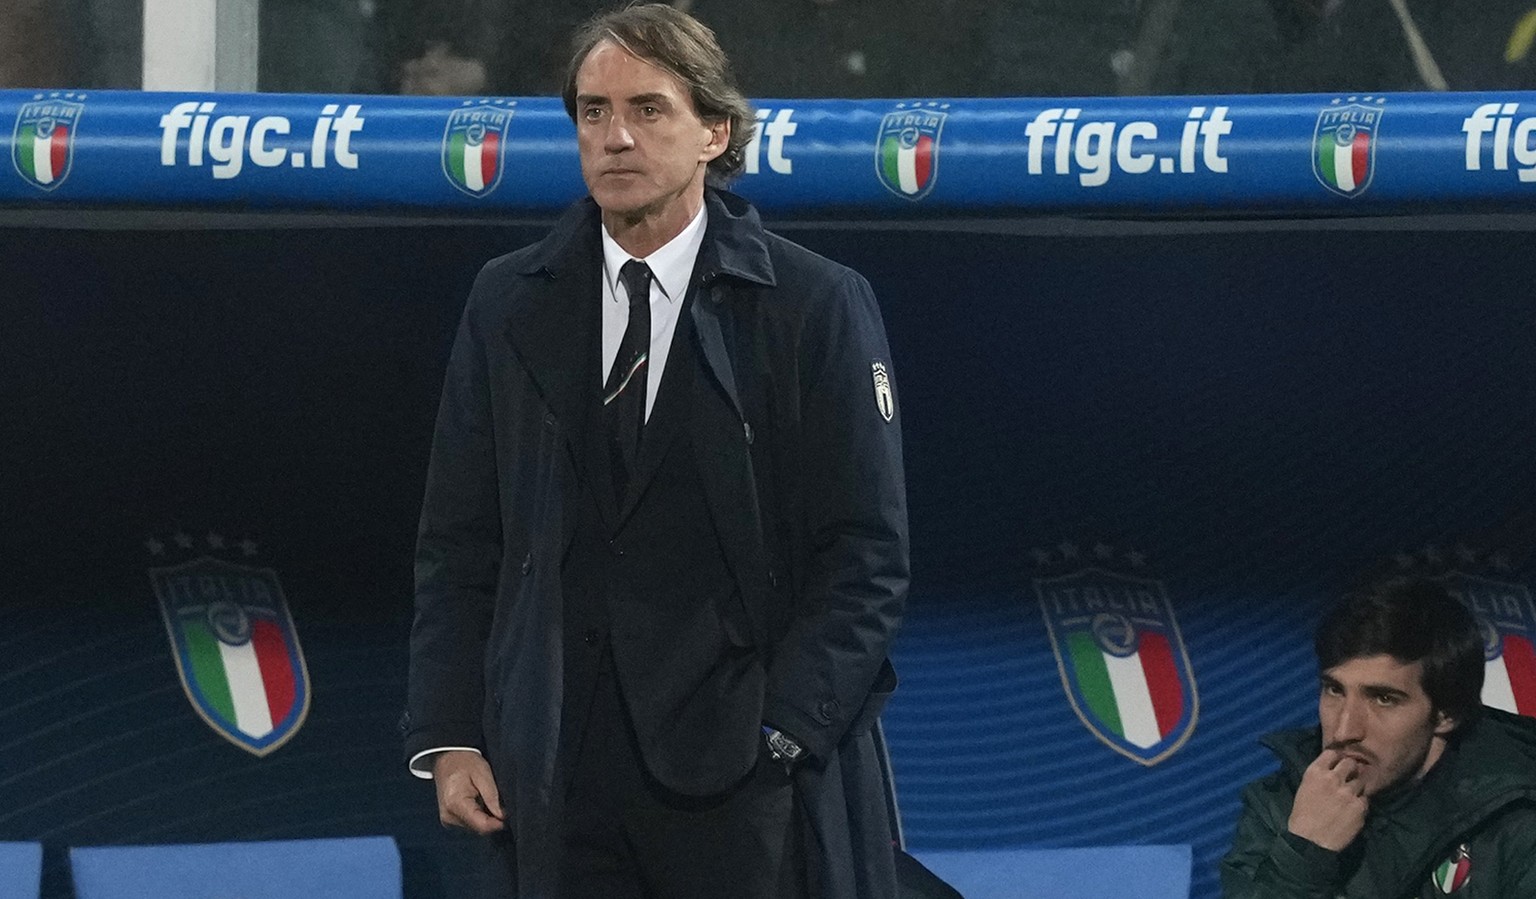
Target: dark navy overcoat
796, 410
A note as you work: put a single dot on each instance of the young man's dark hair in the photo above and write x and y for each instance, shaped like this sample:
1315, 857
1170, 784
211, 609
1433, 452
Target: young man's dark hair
684, 47
1412, 619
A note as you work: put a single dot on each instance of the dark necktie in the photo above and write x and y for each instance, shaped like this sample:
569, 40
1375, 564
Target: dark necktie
624, 393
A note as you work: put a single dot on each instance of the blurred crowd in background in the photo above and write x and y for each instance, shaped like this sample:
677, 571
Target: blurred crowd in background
836, 48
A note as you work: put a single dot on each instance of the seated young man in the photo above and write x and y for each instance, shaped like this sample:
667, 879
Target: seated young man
1408, 786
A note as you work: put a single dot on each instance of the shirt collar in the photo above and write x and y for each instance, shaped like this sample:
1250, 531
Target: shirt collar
671, 265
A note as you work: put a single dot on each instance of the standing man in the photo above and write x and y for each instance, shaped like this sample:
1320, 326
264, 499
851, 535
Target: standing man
663, 549
1409, 787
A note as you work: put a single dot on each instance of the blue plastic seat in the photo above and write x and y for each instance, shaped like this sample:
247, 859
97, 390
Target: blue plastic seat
21, 870
354, 868
1099, 872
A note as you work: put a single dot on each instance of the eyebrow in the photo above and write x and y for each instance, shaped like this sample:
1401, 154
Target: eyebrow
1368, 689
654, 97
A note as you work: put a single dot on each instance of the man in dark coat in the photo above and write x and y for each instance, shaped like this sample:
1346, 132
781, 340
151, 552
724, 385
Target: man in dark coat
663, 549
1409, 787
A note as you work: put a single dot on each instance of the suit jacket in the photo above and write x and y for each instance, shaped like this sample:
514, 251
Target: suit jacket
796, 413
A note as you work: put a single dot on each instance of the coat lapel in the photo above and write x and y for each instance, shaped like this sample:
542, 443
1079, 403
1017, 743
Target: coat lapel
553, 330
734, 249
734, 262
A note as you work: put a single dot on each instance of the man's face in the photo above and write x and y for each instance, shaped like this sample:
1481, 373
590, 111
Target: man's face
643, 147
1374, 710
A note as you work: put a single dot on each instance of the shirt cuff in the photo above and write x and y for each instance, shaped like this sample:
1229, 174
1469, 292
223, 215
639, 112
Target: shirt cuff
421, 765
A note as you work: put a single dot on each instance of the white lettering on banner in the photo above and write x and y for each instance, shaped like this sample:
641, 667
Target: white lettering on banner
1509, 137
775, 129
1094, 149
229, 140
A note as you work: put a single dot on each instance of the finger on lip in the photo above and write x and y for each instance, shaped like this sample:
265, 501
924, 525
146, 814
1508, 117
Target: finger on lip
1343, 755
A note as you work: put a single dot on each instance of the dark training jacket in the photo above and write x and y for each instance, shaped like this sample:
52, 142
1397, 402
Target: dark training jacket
1468, 829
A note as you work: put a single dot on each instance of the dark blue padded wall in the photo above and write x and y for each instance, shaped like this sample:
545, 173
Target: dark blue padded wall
1241, 421
1234, 421
268, 386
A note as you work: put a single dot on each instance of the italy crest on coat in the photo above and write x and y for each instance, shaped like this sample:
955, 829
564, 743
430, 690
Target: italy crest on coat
1455, 872
885, 401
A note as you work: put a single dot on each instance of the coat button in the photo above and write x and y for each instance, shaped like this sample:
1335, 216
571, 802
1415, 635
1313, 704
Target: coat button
527, 563
591, 636
826, 711
549, 420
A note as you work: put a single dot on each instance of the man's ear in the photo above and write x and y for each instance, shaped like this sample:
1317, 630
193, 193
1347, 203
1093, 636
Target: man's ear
719, 138
1445, 724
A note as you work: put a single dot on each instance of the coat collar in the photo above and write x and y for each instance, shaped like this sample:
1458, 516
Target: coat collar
568, 261
735, 243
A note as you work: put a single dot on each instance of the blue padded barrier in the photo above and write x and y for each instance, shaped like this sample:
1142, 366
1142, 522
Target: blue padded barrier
21, 870
1319, 154
1099, 872
353, 868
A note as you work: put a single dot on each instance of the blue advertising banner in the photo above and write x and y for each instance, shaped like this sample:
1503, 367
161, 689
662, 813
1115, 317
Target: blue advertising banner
1323, 154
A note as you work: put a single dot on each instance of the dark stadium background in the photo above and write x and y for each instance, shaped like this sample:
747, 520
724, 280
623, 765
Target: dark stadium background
1258, 411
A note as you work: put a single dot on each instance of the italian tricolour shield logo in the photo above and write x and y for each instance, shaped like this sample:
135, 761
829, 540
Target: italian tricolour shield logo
43, 142
236, 650
1122, 660
907, 149
1344, 147
474, 146
1507, 618
1455, 871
